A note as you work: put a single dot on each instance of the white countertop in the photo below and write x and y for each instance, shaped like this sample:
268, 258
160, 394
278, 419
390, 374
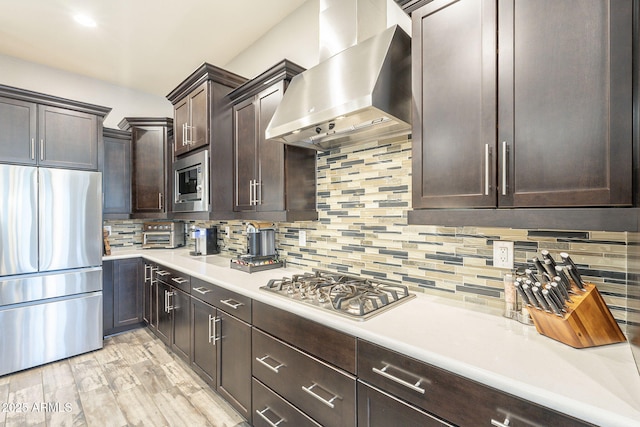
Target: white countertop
600, 385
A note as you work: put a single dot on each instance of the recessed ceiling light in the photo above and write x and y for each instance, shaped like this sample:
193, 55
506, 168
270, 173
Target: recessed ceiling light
85, 20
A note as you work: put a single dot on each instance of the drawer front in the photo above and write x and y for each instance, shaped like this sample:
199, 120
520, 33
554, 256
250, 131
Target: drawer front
324, 343
319, 390
271, 409
174, 278
378, 409
231, 302
445, 394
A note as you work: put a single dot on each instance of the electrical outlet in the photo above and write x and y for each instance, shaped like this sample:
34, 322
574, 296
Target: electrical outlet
503, 254
302, 238
227, 231
107, 228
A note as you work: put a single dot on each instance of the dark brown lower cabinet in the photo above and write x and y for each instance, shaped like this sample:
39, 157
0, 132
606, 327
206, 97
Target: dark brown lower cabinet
180, 306
164, 319
234, 362
122, 295
379, 409
204, 353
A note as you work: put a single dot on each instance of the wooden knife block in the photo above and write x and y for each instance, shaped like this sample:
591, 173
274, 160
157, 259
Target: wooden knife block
587, 322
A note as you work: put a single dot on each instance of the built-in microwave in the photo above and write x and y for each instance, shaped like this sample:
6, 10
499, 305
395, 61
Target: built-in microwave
191, 183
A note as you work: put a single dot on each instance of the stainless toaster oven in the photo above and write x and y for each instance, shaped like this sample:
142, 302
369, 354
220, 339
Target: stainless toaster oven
163, 234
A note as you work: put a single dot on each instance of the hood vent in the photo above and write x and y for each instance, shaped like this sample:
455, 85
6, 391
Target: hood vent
360, 94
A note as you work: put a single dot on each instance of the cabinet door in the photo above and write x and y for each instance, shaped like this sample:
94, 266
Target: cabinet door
204, 347
565, 87
107, 297
245, 154
199, 114
148, 169
234, 363
181, 308
127, 293
180, 123
271, 154
454, 87
148, 311
164, 324
18, 131
377, 409
116, 176
67, 138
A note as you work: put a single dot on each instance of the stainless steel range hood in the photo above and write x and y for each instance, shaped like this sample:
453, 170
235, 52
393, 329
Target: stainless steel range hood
360, 94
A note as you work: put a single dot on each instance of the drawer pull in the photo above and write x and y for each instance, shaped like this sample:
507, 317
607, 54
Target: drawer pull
273, 368
162, 273
202, 290
268, 421
384, 373
179, 280
329, 402
231, 303
505, 423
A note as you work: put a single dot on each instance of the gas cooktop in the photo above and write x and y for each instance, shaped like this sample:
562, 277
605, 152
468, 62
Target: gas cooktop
350, 296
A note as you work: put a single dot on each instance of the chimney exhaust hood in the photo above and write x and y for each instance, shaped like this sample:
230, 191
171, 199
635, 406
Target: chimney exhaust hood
360, 94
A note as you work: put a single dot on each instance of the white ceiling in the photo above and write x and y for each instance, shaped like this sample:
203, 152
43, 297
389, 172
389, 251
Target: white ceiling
148, 45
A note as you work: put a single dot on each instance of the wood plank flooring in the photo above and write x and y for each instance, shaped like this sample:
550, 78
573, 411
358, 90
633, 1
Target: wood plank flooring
133, 381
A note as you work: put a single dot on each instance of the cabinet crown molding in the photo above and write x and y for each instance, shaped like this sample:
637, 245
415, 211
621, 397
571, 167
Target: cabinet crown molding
283, 70
55, 101
202, 73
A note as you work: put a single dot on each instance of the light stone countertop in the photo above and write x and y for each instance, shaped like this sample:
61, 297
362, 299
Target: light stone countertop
600, 385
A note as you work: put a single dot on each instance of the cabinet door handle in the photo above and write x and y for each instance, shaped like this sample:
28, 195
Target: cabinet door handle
231, 303
179, 280
147, 268
267, 420
276, 368
191, 139
486, 169
33, 149
160, 201
202, 290
212, 329
504, 168
415, 387
329, 403
258, 192
168, 306
42, 149
166, 301
213, 338
505, 423
252, 190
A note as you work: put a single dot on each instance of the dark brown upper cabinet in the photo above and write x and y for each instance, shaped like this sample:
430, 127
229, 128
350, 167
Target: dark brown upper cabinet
272, 181
151, 139
196, 104
523, 104
202, 119
38, 129
116, 174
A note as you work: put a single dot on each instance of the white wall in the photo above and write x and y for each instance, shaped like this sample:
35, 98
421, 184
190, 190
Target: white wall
294, 38
51, 81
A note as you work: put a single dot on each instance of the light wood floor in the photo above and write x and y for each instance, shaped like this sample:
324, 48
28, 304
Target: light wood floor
133, 381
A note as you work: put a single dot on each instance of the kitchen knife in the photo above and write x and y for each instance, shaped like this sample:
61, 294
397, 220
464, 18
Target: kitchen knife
520, 292
531, 275
563, 288
575, 277
549, 267
563, 276
550, 301
568, 261
529, 293
554, 292
547, 256
541, 301
538, 265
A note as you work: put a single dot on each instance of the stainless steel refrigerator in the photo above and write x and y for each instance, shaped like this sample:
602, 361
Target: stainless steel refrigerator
50, 265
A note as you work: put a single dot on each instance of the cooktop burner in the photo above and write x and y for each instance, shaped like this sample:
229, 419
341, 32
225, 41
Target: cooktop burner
350, 296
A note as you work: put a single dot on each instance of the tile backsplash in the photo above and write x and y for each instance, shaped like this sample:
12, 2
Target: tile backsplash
363, 195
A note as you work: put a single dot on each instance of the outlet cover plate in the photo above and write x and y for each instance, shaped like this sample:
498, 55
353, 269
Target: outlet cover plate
302, 238
503, 254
